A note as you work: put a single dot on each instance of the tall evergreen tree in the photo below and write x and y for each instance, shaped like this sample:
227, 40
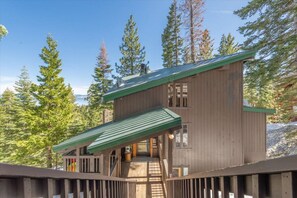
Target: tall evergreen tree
272, 31
206, 46
228, 45
192, 19
171, 39
132, 51
102, 81
8, 127
55, 100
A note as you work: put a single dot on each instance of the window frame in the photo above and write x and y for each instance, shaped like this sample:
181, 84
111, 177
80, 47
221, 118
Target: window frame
181, 132
173, 94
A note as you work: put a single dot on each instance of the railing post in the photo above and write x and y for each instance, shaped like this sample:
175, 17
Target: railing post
65, 188
224, 187
287, 185
238, 186
50, 188
201, 188
26, 187
86, 188
214, 187
92, 164
93, 189
207, 187
77, 160
104, 188
258, 187
77, 188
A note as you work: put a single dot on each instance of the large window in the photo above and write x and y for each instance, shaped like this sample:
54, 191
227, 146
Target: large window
182, 137
178, 94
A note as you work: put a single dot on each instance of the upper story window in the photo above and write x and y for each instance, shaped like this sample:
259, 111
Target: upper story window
182, 137
178, 94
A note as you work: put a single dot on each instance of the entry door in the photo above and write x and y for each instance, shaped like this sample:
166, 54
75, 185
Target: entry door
143, 148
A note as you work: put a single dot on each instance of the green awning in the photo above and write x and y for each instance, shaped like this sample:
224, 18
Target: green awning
123, 132
259, 110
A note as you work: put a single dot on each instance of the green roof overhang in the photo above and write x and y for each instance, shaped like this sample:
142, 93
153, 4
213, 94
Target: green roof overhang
117, 133
197, 68
259, 110
136, 128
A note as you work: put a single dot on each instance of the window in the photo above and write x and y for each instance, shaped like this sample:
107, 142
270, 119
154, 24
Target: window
180, 171
181, 137
170, 95
178, 94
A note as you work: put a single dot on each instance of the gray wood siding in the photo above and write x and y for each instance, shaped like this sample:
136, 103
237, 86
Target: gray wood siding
214, 117
215, 121
139, 102
254, 136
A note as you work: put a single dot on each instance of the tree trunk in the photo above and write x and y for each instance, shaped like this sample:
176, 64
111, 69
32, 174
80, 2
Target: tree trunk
192, 32
49, 157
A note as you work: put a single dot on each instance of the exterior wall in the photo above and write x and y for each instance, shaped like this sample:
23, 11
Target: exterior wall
214, 120
254, 136
139, 102
214, 117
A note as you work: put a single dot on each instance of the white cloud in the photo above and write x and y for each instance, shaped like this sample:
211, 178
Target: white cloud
81, 90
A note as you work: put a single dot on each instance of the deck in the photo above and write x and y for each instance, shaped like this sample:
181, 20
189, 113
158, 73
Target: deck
146, 171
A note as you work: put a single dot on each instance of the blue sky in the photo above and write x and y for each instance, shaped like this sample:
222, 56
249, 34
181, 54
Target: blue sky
79, 26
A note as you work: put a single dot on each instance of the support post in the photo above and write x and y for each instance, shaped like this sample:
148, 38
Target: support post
106, 164
77, 160
170, 161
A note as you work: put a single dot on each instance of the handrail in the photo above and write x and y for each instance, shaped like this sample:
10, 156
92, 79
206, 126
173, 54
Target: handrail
277, 165
268, 178
25, 181
9, 170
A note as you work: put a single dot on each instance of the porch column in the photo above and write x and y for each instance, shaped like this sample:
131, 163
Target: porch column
106, 163
77, 159
170, 161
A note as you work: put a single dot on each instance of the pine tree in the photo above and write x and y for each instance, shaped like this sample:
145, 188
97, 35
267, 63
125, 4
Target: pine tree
25, 118
206, 46
55, 100
192, 20
3, 31
26, 103
102, 81
8, 127
171, 39
133, 53
273, 34
228, 45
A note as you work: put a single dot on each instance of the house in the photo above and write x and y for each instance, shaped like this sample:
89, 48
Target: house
191, 116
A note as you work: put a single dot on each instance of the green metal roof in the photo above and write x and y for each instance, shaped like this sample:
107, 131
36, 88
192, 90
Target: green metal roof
120, 132
259, 110
135, 128
138, 83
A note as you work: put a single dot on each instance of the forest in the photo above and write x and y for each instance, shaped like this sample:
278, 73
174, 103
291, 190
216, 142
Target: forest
36, 116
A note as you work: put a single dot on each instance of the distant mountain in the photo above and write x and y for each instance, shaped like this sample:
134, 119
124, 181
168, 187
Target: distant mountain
281, 139
81, 99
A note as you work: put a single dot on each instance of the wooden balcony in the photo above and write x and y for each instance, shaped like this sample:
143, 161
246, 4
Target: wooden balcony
27, 182
275, 178
83, 164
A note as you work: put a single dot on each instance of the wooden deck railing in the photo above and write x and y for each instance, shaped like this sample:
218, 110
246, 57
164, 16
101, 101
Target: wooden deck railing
87, 164
27, 182
275, 178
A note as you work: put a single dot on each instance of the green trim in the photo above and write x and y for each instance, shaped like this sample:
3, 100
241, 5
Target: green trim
119, 132
176, 76
259, 110
149, 131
